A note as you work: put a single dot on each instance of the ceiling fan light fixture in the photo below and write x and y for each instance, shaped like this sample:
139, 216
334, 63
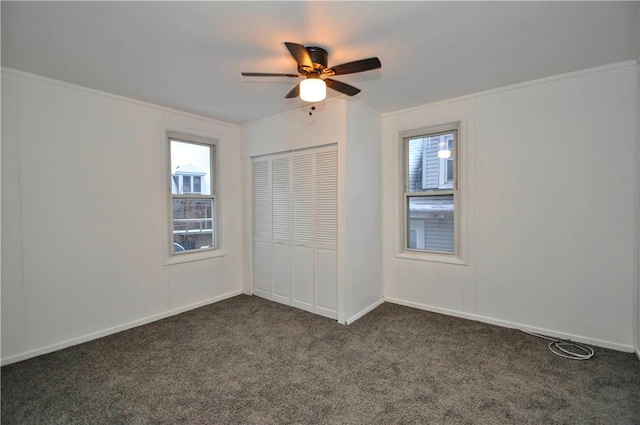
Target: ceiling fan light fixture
312, 67
313, 90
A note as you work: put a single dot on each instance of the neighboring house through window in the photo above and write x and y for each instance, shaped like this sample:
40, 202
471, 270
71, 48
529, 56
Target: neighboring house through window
193, 201
187, 179
430, 190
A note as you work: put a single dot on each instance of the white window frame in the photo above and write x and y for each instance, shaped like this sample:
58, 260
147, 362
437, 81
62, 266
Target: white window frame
197, 254
443, 189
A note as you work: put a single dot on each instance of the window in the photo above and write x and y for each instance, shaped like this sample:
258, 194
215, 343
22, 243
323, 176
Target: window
430, 190
193, 200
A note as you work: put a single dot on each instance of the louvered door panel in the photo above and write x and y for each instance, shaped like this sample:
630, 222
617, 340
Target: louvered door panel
261, 200
302, 163
281, 228
280, 198
326, 197
302, 249
261, 228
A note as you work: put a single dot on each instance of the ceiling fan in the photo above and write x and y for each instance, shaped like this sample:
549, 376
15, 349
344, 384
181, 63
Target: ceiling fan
312, 66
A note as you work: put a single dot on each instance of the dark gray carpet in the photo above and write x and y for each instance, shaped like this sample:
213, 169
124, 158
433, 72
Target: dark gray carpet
249, 361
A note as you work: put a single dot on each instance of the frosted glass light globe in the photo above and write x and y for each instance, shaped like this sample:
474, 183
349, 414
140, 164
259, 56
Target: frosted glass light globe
313, 90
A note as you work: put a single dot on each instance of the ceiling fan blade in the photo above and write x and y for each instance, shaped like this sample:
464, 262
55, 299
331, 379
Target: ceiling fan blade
353, 67
300, 54
295, 92
267, 74
341, 87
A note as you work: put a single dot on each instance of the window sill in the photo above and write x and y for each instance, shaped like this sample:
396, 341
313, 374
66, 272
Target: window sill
194, 256
432, 257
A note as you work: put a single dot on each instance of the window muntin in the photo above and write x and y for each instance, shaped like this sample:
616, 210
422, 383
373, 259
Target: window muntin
430, 191
193, 196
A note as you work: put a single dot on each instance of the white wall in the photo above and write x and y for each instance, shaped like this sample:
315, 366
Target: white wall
550, 203
284, 132
84, 209
280, 133
356, 129
550, 217
363, 214
295, 130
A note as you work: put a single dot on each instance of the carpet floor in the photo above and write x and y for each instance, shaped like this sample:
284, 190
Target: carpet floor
246, 360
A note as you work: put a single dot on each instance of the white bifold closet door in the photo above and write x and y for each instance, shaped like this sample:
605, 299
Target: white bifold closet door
281, 228
302, 250
262, 227
295, 229
325, 202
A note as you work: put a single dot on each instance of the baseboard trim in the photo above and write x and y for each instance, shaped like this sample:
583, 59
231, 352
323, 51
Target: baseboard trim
364, 311
512, 325
115, 329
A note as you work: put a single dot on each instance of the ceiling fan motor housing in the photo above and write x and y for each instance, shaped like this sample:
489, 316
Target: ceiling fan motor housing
319, 57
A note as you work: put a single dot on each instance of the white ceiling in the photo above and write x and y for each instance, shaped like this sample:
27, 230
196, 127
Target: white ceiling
189, 55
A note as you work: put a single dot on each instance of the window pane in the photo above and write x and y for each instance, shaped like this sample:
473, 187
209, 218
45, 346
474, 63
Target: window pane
431, 217
186, 184
190, 160
413, 238
449, 163
430, 162
192, 224
196, 184
415, 162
